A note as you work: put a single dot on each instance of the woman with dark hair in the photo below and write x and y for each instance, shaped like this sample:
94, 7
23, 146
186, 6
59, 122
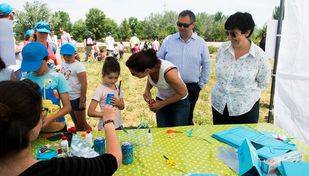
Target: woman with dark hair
172, 106
21, 119
5, 72
242, 72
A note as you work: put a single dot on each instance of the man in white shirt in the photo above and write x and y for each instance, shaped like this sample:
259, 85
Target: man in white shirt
109, 41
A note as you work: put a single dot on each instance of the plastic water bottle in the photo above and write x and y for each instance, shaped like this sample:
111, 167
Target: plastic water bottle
64, 144
149, 137
89, 137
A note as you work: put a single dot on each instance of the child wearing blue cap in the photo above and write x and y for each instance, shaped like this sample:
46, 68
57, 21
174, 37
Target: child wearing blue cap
6, 11
53, 86
42, 31
75, 73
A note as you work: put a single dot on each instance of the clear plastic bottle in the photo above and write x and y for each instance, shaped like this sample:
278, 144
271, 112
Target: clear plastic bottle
64, 144
149, 137
89, 137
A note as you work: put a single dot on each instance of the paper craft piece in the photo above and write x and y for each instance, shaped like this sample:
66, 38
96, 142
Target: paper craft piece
229, 156
249, 163
266, 146
7, 43
294, 169
269, 166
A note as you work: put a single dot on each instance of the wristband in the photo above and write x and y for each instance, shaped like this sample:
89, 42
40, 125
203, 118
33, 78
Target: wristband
108, 121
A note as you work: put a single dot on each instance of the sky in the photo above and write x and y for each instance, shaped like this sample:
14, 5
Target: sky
261, 10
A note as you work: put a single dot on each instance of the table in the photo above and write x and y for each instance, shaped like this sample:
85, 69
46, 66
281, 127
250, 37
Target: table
191, 154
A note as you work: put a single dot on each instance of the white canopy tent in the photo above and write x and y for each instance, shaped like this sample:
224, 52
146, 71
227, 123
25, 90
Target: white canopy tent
291, 98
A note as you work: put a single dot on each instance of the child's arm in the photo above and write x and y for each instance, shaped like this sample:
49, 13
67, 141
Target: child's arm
66, 108
91, 109
82, 78
118, 102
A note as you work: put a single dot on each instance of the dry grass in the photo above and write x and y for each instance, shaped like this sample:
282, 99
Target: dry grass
136, 110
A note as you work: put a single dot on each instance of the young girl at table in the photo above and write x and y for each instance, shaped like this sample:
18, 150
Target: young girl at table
21, 119
110, 75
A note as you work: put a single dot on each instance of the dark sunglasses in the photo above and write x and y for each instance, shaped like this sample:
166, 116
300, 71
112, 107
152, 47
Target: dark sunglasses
232, 33
184, 25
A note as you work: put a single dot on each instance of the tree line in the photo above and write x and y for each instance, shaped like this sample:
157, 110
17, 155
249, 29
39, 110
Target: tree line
98, 25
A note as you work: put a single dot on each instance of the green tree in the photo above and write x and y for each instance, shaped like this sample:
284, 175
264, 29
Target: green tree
133, 23
31, 13
61, 19
276, 13
110, 26
95, 22
124, 31
79, 30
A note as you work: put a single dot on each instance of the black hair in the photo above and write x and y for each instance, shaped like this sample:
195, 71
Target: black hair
27, 37
241, 21
187, 13
2, 64
111, 65
142, 60
20, 112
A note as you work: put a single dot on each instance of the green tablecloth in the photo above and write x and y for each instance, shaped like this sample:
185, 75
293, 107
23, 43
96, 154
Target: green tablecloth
191, 154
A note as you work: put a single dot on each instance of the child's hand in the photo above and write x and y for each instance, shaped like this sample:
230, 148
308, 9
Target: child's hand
82, 102
46, 121
147, 96
116, 102
109, 112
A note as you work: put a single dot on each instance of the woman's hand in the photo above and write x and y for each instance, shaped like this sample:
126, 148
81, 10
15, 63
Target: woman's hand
154, 107
109, 112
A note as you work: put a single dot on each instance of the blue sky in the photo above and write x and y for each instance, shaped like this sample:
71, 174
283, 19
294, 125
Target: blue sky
261, 10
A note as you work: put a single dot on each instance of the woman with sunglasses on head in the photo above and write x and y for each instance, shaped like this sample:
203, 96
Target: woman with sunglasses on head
21, 119
171, 106
242, 72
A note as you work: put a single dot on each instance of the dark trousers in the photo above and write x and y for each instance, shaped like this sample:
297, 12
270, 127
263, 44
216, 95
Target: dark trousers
175, 114
194, 91
250, 117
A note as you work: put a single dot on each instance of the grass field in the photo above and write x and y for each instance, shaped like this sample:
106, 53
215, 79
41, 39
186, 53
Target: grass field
136, 109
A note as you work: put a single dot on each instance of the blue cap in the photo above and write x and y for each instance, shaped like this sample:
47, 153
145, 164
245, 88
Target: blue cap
29, 32
42, 27
5, 9
33, 54
68, 49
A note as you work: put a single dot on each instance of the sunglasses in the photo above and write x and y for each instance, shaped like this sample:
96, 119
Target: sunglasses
232, 33
184, 25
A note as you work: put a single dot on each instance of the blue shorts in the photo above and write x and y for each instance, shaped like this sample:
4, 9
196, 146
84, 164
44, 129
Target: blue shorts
75, 105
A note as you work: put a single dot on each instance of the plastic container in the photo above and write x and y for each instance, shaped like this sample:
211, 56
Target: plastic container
88, 137
127, 153
99, 145
64, 144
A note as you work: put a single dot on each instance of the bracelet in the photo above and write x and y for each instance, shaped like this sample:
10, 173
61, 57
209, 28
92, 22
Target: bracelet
108, 121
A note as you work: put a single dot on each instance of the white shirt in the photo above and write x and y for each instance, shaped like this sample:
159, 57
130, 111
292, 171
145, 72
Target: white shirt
110, 43
65, 38
70, 72
165, 90
239, 82
5, 74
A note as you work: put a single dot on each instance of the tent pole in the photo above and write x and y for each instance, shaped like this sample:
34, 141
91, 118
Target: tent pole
270, 118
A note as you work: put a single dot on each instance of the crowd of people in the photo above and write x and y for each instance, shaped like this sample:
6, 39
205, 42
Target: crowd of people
179, 70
